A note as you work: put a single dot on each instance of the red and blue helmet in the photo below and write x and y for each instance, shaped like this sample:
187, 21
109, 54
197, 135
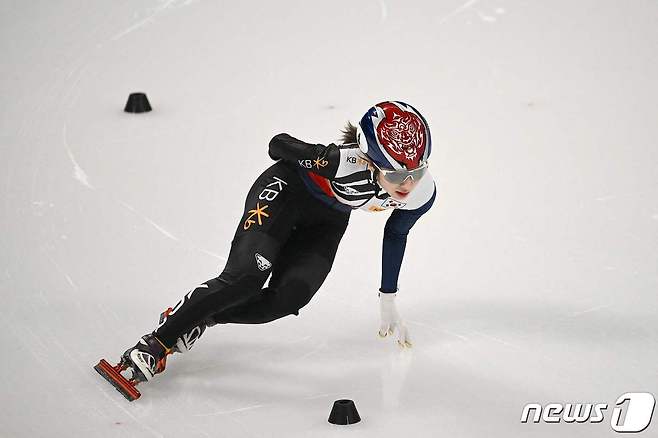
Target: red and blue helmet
394, 135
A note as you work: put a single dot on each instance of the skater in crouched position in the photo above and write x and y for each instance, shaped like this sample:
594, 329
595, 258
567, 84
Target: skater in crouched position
295, 215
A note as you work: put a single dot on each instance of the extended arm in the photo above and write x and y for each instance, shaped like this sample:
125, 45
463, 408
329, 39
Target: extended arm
316, 158
395, 241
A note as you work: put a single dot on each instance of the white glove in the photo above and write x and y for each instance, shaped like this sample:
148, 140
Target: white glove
391, 320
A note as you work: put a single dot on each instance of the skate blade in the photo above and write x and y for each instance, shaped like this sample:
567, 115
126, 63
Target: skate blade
123, 385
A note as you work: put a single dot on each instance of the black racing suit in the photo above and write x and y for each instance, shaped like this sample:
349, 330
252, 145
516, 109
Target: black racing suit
294, 218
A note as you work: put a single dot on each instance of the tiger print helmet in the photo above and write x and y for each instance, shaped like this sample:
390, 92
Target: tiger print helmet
394, 135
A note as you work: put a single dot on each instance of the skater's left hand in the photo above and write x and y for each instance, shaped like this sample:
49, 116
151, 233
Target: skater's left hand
391, 321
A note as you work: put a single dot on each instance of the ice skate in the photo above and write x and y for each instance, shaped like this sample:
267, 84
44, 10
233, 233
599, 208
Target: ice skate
146, 359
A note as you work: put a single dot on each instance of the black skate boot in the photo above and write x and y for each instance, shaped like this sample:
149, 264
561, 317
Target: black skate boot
145, 360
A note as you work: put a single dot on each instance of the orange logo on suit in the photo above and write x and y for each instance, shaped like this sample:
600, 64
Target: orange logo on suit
269, 193
320, 162
259, 212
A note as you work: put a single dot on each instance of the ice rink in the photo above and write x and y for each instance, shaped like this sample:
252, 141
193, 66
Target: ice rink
534, 278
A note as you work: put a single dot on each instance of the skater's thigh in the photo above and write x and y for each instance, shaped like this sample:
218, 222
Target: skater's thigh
265, 225
305, 261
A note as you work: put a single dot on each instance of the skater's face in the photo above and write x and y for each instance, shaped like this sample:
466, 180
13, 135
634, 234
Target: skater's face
399, 192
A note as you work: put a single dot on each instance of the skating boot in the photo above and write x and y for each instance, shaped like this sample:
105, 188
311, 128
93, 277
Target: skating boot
145, 360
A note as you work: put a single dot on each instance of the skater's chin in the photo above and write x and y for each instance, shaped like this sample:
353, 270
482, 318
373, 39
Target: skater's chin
400, 195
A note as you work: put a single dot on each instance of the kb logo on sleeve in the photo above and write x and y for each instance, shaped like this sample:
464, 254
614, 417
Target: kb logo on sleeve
310, 164
632, 412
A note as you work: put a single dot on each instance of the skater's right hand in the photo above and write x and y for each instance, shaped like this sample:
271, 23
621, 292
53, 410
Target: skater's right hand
391, 321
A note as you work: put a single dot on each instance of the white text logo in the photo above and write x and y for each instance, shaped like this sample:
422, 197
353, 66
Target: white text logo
632, 412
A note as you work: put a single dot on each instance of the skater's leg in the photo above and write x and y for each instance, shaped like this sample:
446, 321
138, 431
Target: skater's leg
301, 268
270, 213
241, 279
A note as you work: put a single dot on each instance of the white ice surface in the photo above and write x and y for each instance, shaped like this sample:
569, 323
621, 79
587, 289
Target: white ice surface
533, 279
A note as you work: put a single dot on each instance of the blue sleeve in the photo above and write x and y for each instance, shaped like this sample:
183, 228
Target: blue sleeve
395, 240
